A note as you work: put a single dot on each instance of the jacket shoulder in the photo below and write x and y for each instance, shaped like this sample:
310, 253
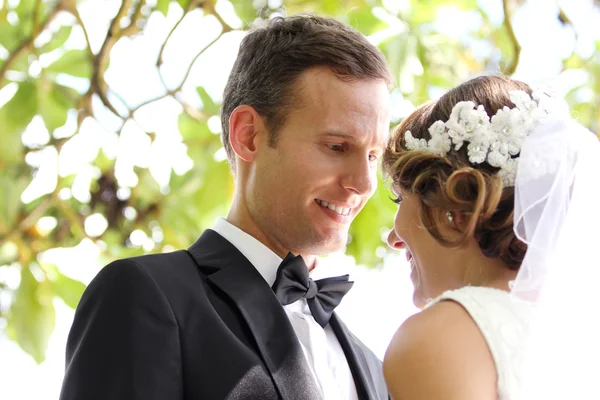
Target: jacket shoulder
173, 274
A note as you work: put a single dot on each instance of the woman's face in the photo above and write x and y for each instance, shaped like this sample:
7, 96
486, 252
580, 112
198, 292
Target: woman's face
432, 269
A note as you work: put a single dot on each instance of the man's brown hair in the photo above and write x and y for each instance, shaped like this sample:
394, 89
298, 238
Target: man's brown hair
272, 57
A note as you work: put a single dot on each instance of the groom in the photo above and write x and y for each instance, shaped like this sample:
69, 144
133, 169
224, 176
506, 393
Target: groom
305, 118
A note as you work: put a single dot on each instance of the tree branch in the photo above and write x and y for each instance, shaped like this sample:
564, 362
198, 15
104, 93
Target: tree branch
133, 27
191, 111
191, 5
511, 68
36, 18
97, 84
159, 60
122, 101
71, 8
209, 8
565, 20
187, 74
25, 222
28, 43
74, 219
25, 255
99, 87
37, 213
115, 32
146, 102
196, 114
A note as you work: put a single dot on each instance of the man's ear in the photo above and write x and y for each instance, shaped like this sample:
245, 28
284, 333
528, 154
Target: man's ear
244, 125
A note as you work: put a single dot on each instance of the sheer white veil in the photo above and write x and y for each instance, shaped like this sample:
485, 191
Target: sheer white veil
557, 213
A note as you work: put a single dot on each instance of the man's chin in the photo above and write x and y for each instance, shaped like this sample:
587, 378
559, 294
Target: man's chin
329, 246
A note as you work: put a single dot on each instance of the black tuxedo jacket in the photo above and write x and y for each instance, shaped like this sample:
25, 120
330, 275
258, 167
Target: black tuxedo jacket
196, 324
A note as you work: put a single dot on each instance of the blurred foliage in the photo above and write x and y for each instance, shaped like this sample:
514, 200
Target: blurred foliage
38, 67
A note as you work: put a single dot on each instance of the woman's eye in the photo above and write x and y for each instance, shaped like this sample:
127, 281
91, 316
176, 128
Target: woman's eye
396, 200
336, 147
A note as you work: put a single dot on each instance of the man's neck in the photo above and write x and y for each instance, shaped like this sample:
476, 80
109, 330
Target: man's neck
310, 260
238, 221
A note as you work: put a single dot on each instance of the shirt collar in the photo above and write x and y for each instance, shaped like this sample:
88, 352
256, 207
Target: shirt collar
263, 258
260, 256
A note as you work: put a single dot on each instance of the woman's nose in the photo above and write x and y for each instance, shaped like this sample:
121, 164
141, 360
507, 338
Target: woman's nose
394, 241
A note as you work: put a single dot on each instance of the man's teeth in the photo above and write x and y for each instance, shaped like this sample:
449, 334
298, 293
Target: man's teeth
337, 209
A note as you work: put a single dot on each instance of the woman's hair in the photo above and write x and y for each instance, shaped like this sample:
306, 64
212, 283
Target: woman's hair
451, 182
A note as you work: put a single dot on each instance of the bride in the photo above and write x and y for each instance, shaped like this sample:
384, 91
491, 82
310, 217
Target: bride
498, 192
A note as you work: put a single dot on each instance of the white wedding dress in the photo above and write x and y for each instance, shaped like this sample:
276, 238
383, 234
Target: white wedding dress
503, 320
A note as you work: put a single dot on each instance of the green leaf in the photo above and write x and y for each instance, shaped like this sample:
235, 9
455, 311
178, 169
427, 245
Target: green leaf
192, 129
585, 113
330, 7
163, 6
54, 102
74, 62
115, 246
426, 11
362, 19
574, 62
402, 54
21, 63
9, 252
103, 162
11, 35
31, 318
69, 290
15, 115
208, 105
394, 49
197, 199
11, 187
501, 39
26, 10
184, 3
245, 11
147, 190
58, 39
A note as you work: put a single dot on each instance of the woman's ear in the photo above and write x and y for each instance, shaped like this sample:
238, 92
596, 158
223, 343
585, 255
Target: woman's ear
244, 125
458, 218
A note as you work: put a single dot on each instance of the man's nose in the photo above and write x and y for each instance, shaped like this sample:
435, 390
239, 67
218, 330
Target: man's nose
361, 177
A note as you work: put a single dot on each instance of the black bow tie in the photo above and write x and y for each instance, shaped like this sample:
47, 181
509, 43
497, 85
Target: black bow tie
323, 295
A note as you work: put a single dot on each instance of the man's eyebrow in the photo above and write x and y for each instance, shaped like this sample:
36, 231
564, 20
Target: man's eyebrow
348, 137
339, 134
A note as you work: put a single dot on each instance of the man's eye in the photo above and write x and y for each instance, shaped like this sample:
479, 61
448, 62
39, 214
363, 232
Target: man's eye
336, 147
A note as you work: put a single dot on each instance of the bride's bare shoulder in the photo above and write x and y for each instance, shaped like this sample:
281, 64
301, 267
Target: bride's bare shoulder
440, 353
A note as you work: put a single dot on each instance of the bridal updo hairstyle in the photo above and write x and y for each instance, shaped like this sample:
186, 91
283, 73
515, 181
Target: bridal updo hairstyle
451, 182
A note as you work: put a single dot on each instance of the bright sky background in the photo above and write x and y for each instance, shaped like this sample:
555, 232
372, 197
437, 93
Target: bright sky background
380, 299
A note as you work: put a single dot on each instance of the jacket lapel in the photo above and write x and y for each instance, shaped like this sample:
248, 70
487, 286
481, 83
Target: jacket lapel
275, 338
356, 359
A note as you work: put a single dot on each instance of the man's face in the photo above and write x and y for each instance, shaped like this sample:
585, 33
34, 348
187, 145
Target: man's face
303, 192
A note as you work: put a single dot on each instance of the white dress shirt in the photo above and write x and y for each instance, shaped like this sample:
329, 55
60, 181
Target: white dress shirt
321, 347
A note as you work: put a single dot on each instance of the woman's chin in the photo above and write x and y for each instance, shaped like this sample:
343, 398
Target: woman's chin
418, 300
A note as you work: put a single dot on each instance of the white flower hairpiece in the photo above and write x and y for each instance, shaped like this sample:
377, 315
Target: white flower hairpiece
496, 140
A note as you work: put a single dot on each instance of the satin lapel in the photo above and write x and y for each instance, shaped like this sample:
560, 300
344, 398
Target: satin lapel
356, 360
266, 318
